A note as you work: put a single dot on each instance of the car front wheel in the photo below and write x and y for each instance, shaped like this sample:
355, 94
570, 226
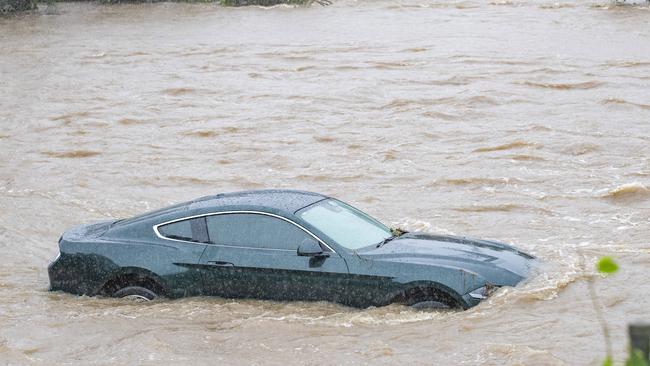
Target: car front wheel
135, 293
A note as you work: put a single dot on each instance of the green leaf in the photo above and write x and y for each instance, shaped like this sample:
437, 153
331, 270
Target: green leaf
608, 361
607, 265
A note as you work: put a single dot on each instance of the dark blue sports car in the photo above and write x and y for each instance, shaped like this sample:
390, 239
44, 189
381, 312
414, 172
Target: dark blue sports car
280, 245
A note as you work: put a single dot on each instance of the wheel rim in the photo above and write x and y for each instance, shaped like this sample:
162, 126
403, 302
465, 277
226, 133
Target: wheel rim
136, 298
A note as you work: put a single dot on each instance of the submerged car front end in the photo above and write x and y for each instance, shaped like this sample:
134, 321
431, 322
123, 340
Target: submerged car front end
472, 268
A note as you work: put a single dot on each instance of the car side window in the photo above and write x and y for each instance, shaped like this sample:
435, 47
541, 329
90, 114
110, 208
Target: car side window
254, 231
188, 230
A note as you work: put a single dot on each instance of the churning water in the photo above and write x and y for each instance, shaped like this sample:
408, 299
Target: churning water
521, 121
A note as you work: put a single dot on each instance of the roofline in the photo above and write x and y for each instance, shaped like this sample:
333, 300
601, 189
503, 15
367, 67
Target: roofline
217, 206
257, 191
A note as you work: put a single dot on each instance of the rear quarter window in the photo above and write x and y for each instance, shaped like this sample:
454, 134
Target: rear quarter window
181, 230
193, 230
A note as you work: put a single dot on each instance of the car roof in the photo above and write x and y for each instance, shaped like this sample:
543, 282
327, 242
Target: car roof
269, 200
285, 200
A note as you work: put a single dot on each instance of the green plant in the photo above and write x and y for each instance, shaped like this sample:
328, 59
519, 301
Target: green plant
607, 266
636, 359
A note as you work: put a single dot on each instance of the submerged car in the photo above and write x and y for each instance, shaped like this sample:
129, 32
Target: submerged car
280, 245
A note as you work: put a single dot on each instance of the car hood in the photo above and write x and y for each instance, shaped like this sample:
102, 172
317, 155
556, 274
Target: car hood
499, 264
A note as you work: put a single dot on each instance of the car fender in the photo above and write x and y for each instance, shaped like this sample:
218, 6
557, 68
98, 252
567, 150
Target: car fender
430, 287
452, 278
137, 272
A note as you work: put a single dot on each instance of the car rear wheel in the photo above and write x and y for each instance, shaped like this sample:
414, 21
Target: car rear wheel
135, 293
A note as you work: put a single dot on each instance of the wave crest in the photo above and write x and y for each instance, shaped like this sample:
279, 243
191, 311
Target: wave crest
566, 86
71, 154
617, 101
627, 192
512, 145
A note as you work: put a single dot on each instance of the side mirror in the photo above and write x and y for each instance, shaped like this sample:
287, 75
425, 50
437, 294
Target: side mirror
310, 248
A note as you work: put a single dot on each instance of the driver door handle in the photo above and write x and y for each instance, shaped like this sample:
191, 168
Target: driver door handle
220, 264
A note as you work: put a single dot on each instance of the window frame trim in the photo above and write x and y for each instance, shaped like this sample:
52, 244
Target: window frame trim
155, 229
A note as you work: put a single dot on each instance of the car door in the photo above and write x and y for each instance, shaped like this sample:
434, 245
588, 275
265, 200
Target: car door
177, 262
254, 255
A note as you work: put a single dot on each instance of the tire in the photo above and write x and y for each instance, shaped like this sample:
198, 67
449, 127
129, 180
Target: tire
428, 298
135, 293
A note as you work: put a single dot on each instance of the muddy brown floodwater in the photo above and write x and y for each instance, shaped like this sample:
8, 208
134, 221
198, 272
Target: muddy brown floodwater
520, 121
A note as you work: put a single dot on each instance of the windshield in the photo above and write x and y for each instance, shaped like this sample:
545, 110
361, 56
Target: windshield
345, 224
